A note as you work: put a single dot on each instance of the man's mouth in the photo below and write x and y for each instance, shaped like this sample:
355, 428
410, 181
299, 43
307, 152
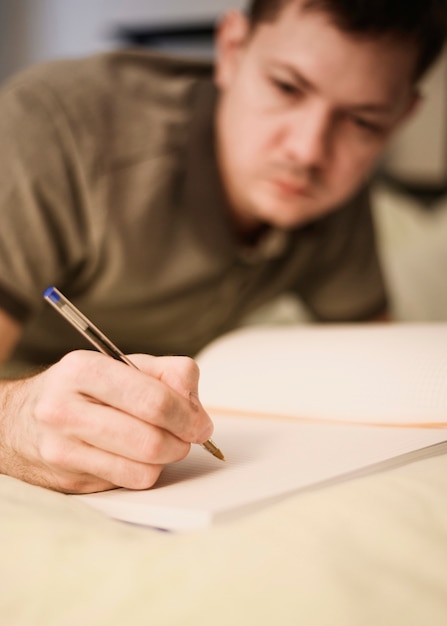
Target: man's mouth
292, 187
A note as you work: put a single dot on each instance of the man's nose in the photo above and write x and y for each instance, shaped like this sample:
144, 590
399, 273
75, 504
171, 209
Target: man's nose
308, 137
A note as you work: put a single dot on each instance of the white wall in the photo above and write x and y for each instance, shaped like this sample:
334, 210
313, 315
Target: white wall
418, 154
37, 30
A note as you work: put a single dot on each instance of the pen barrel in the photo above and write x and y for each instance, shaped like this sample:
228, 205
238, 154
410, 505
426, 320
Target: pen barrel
91, 332
100, 341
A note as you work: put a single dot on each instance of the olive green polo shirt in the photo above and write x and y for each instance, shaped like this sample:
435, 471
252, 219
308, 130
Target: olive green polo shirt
110, 191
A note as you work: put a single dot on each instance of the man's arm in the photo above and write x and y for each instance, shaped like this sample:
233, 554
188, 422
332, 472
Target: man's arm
10, 331
90, 423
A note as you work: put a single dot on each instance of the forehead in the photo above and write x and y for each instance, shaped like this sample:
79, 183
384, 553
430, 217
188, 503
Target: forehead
309, 41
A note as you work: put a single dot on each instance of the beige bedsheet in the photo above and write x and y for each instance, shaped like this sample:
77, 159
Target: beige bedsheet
372, 551
369, 552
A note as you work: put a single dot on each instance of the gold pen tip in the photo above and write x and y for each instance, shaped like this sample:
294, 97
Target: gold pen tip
213, 449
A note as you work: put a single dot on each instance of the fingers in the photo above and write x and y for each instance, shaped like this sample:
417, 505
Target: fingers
179, 373
106, 428
100, 469
90, 423
166, 398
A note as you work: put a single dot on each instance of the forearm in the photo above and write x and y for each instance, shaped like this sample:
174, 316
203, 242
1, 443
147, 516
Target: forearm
11, 398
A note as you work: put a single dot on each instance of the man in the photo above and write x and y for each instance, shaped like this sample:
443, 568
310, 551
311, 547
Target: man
167, 210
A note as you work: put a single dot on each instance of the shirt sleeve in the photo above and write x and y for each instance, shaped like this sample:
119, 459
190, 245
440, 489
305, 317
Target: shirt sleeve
41, 191
346, 282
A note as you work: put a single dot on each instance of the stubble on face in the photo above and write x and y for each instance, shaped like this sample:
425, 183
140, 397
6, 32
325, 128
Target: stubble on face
291, 152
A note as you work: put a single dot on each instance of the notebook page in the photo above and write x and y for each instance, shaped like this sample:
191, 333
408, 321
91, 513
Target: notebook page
368, 373
266, 460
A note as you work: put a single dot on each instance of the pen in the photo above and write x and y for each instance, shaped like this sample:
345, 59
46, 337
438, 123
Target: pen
77, 319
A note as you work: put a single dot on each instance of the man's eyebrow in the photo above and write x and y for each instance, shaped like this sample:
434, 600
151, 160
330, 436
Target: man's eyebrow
361, 107
297, 76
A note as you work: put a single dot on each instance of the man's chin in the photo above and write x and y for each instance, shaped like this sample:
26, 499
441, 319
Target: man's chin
287, 211
287, 218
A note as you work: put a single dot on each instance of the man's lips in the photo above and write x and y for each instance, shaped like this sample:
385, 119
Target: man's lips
292, 187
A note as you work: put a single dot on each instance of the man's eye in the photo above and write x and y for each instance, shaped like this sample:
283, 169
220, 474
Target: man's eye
286, 88
367, 125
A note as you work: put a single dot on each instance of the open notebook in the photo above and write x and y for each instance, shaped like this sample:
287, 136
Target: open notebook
295, 407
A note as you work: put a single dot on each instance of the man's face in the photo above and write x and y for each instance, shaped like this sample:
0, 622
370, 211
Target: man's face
305, 111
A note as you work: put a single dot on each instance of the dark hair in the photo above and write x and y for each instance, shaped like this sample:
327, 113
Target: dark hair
420, 21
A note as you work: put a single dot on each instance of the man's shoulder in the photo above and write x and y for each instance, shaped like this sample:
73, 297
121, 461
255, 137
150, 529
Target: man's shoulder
122, 103
110, 74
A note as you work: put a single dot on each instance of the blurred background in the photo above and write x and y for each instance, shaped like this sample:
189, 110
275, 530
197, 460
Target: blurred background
410, 197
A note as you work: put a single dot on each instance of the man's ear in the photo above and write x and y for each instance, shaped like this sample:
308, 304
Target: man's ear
231, 36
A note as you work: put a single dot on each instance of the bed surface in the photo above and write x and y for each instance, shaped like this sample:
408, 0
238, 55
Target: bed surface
368, 552
365, 552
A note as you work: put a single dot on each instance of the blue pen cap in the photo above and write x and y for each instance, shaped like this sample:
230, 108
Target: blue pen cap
51, 294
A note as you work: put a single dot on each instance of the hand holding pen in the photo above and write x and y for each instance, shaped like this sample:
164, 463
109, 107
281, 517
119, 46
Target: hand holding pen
90, 423
102, 343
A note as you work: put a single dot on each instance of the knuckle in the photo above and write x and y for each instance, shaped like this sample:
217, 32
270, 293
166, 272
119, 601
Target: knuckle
188, 366
77, 483
78, 364
54, 453
144, 476
182, 452
189, 372
156, 449
183, 369
73, 362
56, 413
48, 410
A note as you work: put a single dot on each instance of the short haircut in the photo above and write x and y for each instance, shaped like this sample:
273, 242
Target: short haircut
422, 22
